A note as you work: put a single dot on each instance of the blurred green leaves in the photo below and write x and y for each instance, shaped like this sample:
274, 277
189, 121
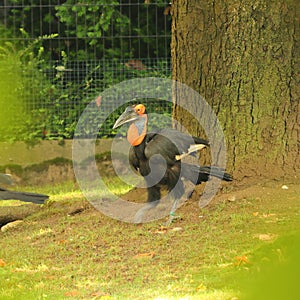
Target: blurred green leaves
278, 271
84, 19
20, 79
11, 84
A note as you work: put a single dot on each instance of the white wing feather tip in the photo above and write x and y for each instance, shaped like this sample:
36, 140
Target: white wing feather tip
192, 149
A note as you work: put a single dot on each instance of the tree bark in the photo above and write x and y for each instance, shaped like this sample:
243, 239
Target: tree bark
243, 58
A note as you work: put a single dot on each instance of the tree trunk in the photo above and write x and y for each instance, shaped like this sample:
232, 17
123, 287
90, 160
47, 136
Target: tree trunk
243, 58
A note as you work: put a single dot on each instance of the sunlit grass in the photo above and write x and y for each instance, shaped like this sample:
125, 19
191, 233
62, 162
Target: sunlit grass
69, 190
55, 255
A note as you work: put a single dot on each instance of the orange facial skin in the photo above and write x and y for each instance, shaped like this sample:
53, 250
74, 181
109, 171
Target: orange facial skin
134, 135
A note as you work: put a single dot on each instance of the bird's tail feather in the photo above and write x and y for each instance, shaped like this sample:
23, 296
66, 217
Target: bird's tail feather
23, 196
198, 174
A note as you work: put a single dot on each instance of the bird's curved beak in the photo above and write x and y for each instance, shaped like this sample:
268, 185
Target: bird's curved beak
129, 115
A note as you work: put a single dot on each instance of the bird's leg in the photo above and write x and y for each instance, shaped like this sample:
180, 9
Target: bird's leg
139, 216
176, 193
153, 201
172, 215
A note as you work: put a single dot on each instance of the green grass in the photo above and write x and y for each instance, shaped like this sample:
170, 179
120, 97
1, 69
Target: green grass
230, 250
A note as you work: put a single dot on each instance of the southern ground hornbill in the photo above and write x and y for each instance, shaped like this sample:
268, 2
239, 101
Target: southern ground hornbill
157, 156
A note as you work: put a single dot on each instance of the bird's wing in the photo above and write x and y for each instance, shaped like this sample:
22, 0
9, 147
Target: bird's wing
133, 160
172, 144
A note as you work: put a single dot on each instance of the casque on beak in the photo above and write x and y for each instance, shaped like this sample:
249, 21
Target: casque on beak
129, 115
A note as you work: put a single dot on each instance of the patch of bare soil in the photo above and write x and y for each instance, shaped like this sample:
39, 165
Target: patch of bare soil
48, 172
272, 194
230, 192
258, 200
12, 213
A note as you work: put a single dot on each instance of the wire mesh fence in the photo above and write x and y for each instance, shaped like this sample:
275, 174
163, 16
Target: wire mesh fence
70, 51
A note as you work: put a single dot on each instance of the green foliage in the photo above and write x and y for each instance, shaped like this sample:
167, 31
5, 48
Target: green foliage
279, 270
55, 77
64, 100
51, 106
196, 258
113, 20
105, 28
11, 104
21, 79
91, 20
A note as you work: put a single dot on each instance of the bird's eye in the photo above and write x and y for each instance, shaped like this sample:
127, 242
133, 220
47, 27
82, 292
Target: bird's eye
140, 109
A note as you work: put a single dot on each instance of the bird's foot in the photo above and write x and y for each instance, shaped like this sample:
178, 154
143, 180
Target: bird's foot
140, 214
172, 218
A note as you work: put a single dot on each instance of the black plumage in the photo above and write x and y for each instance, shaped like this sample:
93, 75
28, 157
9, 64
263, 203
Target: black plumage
22, 196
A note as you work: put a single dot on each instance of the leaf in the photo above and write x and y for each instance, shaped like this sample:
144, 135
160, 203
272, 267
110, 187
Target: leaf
72, 294
162, 230
175, 229
168, 10
268, 215
243, 259
266, 237
201, 287
98, 100
146, 255
135, 64
2, 263
101, 295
